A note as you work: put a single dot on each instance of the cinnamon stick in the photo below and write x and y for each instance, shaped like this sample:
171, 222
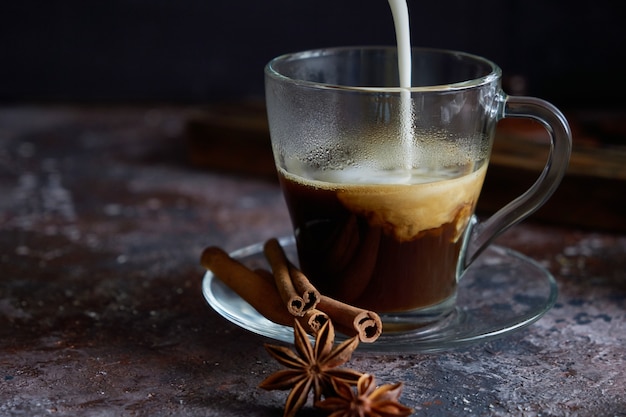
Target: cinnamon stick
349, 319
352, 320
296, 292
256, 290
312, 320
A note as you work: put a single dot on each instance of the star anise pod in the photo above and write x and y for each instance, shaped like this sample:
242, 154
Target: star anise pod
312, 366
367, 401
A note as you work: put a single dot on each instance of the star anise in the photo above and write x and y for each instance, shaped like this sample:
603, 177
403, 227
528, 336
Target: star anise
312, 366
367, 401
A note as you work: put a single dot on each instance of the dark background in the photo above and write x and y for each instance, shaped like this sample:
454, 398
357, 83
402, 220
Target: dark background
570, 53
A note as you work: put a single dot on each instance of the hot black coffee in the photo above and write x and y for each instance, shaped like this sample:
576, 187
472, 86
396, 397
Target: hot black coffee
388, 248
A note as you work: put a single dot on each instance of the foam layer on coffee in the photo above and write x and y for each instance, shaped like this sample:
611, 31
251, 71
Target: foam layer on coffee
405, 204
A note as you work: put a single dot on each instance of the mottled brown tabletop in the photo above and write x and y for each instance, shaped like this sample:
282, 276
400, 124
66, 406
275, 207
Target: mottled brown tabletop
102, 222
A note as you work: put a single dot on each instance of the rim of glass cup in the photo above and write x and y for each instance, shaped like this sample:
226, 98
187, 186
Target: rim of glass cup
494, 74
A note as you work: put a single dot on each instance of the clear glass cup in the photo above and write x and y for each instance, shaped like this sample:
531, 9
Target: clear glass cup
382, 182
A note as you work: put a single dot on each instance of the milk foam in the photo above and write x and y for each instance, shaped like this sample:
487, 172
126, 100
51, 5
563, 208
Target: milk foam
426, 201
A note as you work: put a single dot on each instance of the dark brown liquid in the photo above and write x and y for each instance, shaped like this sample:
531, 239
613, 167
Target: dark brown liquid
349, 259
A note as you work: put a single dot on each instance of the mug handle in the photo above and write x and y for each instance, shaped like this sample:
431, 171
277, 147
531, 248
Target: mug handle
481, 234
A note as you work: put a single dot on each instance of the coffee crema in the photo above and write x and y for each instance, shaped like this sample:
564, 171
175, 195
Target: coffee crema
354, 239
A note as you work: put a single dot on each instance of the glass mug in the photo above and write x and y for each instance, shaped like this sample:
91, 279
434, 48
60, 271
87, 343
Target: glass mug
381, 182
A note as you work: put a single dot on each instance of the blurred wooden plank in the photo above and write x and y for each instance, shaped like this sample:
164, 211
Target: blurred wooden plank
592, 194
523, 143
234, 137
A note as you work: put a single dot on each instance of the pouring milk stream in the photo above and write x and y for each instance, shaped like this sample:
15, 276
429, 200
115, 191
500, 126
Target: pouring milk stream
400, 13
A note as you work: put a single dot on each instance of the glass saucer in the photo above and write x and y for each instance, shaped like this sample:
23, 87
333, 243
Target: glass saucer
503, 291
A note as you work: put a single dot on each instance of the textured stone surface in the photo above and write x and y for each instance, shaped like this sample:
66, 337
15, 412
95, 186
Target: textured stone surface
101, 227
